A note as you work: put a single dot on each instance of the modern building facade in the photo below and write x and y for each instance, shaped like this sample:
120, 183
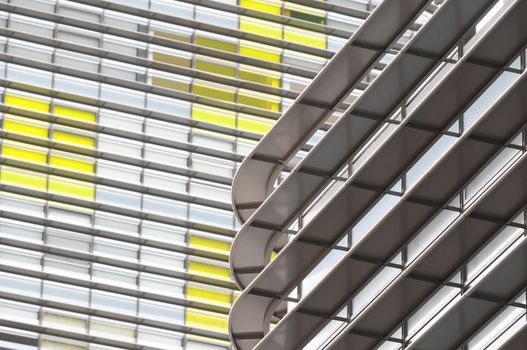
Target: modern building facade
123, 123
404, 226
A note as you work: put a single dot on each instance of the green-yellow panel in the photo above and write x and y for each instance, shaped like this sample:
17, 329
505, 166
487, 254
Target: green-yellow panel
304, 37
215, 68
171, 59
260, 27
24, 179
258, 101
30, 154
265, 6
260, 52
254, 124
210, 244
214, 116
267, 78
74, 113
26, 126
210, 321
73, 138
72, 163
170, 84
71, 188
213, 92
215, 44
208, 296
202, 268
26, 102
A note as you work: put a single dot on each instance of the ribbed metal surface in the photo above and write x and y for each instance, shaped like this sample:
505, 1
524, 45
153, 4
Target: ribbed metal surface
452, 84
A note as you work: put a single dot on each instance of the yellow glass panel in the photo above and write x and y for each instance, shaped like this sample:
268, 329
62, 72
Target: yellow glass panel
260, 51
71, 188
71, 162
74, 113
171, 84
214, 116
215, 43
260, 76
171, 59
202, 268
24, 179
207, 320
215, 68
208, 296
26, 102
73, 138
304, 37
213, 92
210, 244
258, 100
260, 27
265, 6
254, 124
26, 126
20, 151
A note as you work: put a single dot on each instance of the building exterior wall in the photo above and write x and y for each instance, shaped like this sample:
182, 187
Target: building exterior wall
123, 123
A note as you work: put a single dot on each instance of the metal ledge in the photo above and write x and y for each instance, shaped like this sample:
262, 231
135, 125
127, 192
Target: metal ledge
339, 208
403, 222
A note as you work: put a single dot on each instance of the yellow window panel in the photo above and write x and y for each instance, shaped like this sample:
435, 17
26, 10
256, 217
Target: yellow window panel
24, 179
260, 76
173, 36
304, 37
260, 27
65, 161
209, 244
26, 102
215, 43
75, 139
74, 113
26, 126
213, 92
208, 269
214, 116
24, 152
208, 296
73, 188
259, 100
170, 84
206, 320
216, 68
265, 6
260, 51
171, 59
254, 124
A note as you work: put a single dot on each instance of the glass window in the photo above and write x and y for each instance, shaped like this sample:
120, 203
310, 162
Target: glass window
161, 311
162, 232
115, 302
114, 275
119, 145
165, 206
161, 284
167, 130
166, 155
121, 121
115, 249
116, 222
82, 87
21, 230
20, 284
165, 181
162, 258
66, 293
110, 195
118, 171
68, 240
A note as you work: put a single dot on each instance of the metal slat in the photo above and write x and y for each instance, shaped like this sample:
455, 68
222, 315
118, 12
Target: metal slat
328, 296
340, 209
499, 286
318, 101
518, 341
